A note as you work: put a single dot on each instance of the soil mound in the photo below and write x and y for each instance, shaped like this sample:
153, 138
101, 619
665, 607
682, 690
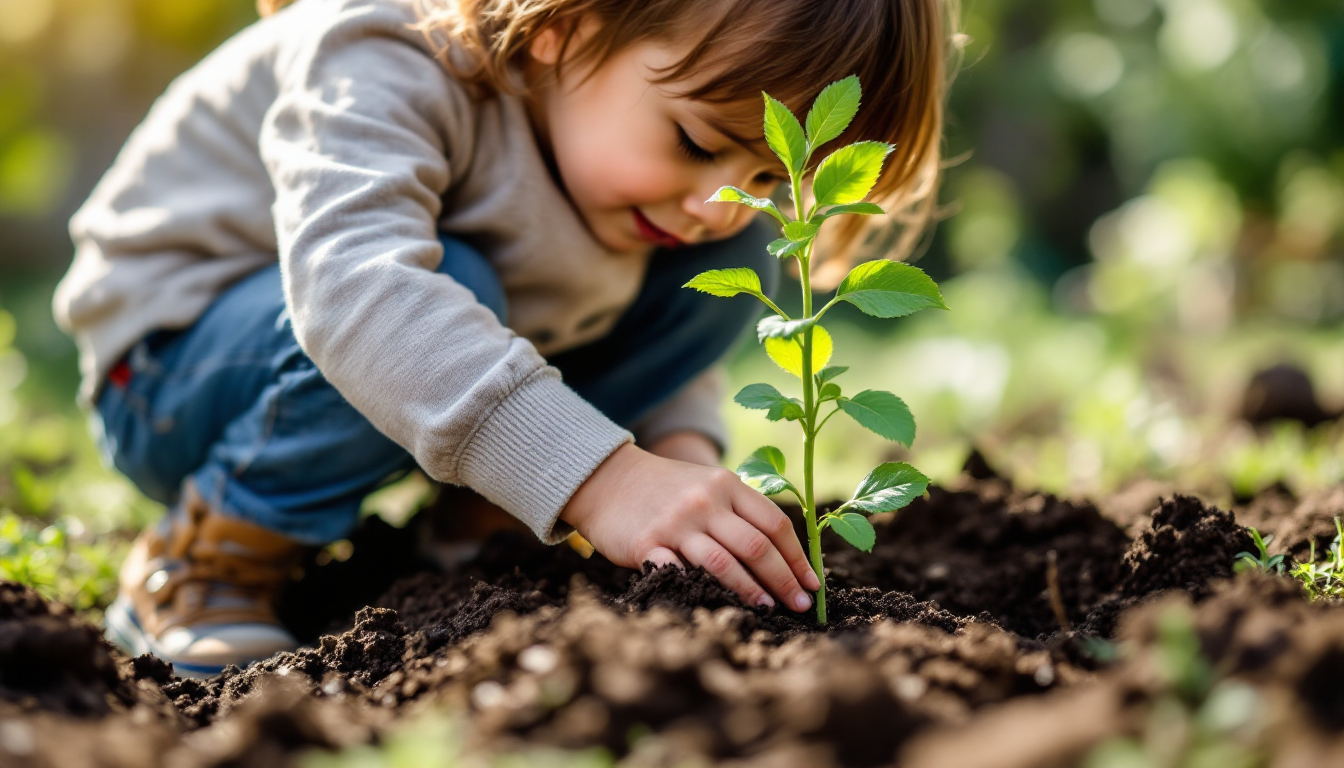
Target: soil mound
944, 633
985, 550
52, 661
1187, 547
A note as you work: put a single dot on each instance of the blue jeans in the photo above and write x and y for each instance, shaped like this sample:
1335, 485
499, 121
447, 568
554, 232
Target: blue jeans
234, 404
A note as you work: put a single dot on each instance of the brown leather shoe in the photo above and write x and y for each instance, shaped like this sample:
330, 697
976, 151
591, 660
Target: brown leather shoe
199, 591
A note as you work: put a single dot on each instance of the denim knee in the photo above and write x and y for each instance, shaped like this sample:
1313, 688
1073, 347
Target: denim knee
471, 270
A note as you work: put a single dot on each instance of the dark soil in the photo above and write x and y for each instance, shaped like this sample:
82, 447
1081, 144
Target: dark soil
945, 646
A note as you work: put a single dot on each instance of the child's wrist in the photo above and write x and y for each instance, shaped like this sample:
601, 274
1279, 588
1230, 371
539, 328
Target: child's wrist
588, 496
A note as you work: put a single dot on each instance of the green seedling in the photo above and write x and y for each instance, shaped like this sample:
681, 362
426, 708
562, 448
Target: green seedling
1261, 560
801, 345
1324, 579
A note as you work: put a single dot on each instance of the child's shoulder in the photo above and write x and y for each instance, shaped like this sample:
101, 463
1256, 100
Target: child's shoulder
375, 46
334, 24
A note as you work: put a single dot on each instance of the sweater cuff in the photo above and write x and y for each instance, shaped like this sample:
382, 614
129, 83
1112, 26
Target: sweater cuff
535, 450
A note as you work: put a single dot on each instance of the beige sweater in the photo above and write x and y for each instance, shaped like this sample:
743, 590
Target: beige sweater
327, 136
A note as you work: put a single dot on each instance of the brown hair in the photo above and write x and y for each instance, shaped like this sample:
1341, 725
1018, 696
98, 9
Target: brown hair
791, 49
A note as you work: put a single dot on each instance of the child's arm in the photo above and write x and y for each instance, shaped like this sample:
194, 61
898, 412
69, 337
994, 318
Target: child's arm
638, 507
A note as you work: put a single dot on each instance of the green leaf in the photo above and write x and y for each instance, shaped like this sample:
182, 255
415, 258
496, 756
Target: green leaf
829, 391
788, 353
735, 195
855, 529
727, 282
833, 110
785, 135
883, 413
763, 397
862, 209
784, 247
776, 327
764, 471
801, 231
848, 174
889, 289
826, 374
887, 488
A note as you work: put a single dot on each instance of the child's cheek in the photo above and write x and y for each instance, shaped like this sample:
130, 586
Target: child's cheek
615, 176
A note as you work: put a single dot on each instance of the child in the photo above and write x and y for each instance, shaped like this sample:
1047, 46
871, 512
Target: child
368, 234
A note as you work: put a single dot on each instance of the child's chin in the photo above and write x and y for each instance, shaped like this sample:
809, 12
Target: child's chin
625, 244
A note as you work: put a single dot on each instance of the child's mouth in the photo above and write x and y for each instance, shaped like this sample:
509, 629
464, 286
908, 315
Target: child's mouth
651, 233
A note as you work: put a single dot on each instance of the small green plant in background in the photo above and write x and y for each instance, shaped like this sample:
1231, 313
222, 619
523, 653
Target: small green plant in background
1320, 580
802, 346
1260, 560
1324, 579
60, 560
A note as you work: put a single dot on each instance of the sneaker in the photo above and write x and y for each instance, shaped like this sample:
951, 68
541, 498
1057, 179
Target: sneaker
454, 527
199, 591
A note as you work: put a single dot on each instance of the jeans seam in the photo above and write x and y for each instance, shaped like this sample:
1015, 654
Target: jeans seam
272, 417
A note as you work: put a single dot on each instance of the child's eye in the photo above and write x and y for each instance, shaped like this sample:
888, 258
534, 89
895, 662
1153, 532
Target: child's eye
767, 177
690, 149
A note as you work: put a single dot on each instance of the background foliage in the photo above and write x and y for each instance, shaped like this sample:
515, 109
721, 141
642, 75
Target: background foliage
1147, 206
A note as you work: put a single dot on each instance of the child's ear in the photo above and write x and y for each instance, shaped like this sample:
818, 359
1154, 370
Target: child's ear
545, 47
559, 38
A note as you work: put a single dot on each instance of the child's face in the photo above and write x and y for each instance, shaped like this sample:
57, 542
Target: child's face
637, 160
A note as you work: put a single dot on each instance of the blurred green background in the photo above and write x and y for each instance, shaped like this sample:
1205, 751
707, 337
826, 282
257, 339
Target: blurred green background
1145, 206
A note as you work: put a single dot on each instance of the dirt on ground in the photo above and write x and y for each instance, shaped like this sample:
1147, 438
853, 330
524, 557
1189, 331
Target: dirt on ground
989, 626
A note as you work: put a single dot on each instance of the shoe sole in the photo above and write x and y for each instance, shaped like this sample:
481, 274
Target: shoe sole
124, 631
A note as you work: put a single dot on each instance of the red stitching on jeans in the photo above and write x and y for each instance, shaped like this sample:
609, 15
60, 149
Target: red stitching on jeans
120, 375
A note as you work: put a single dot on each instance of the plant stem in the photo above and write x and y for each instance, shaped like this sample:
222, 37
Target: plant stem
810, 408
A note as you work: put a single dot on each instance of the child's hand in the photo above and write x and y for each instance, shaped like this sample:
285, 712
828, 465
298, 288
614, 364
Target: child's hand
639, 507
686, 446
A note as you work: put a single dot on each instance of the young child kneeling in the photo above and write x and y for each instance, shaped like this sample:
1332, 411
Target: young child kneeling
368, 234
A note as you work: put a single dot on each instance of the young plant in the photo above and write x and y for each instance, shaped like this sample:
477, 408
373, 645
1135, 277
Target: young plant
1262, 562
1324, 579
802, 346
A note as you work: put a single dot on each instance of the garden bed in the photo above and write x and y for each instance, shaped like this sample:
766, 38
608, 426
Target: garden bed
976, 633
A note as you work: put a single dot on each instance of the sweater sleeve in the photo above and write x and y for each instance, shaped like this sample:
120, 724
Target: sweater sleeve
361, 145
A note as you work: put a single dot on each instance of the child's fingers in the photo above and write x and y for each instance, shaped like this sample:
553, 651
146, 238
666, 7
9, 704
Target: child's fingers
756, 551
661, 556
707, 553
770, 520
